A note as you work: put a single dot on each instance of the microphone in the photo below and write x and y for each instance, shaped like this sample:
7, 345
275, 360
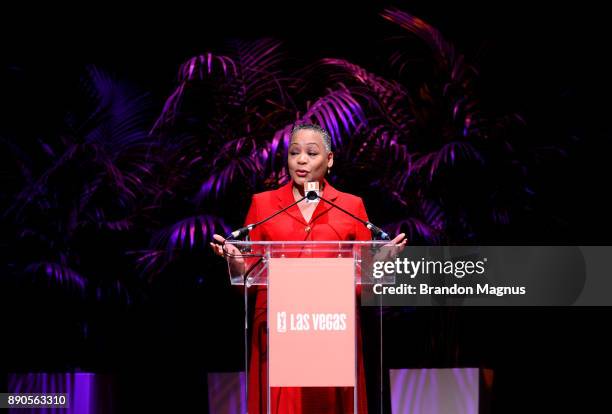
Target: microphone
240, 233
314, 187
376, 231
244, 231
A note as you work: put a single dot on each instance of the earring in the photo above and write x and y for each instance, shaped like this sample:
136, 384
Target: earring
328, 170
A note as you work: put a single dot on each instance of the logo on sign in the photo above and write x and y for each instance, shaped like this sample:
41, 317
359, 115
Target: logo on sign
310, 322
281, 322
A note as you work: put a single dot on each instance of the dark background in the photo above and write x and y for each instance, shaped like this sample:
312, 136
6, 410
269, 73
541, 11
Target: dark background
548, 62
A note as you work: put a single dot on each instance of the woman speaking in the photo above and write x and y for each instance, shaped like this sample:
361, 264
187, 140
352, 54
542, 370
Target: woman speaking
309, 160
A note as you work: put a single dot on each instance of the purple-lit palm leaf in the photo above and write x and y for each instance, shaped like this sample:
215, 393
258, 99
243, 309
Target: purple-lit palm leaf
236, 160
185, 235
91, 179
390, 95
415, 229
194, 69
259, 63
338, 112
114, 290
447, 156
444, 51
60, 274
454, 93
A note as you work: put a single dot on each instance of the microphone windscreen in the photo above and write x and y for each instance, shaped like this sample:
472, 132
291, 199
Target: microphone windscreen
312, 186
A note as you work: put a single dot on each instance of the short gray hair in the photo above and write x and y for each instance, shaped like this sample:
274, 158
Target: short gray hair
312, 127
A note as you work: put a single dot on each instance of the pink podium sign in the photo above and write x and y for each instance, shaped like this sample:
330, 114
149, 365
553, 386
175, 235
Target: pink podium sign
311, 322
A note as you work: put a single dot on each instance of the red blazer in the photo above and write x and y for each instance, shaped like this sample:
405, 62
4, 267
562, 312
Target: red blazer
327, 223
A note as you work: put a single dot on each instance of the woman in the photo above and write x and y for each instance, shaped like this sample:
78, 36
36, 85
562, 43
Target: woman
309, 158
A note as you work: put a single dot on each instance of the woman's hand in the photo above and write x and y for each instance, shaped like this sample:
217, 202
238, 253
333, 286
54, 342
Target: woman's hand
230, 252
218, 247
399, 240
222, 249
391, 249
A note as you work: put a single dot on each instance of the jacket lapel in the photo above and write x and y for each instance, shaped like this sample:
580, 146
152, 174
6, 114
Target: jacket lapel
329, 193
285, 198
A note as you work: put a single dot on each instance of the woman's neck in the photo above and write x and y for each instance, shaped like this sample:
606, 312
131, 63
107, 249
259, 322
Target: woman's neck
298, 190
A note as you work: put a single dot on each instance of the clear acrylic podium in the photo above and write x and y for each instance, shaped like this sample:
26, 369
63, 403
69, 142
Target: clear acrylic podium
321, 346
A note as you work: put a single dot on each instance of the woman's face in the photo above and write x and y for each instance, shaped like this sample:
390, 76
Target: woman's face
308, 160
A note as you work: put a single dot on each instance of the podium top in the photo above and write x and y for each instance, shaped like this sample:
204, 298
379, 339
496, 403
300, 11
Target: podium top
248, 264
309, 242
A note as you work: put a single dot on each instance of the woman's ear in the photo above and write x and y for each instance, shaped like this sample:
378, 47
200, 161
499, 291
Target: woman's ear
330, 159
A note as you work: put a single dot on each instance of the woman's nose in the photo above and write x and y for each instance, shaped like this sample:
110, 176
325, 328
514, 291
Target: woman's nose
302, 159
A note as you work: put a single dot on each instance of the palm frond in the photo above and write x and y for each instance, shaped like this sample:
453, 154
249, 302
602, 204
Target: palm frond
389, 95
60, 274
388, 142
121, 114
197, 68
444, 51
113, 291
338, 112
416, 230
447, 156
202, 66
189, 233
236, 160
433, 214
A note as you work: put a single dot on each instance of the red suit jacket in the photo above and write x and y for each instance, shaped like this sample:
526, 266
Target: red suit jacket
327, 223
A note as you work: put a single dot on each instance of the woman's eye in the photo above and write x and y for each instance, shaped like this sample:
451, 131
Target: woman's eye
313, 154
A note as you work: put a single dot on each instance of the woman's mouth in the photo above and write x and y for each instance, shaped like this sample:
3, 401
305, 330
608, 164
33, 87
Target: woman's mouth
301, 173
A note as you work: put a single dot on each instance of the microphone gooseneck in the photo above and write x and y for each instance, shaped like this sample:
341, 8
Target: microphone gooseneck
244, 231
376, 231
